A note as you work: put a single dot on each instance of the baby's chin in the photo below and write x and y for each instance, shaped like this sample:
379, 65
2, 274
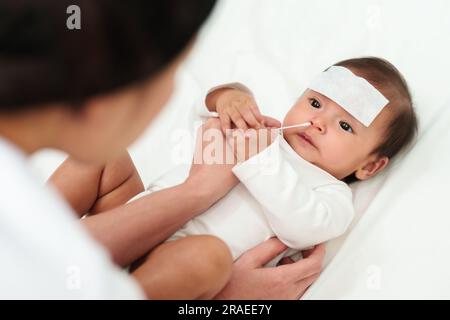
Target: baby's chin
292, 140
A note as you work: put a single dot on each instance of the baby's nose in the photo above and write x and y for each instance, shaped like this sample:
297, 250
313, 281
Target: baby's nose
318, 125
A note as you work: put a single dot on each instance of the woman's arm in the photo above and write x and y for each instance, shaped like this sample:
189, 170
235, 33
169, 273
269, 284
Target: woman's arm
129, 231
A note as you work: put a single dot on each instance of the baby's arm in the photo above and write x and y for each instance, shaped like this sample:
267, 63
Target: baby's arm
298, 215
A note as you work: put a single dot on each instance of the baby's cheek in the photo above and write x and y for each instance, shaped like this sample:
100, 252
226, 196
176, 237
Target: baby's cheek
286, 119
333, 155
339, 157
292, 117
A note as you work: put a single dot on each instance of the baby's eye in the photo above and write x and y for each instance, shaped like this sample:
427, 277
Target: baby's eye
314, 103
344, 125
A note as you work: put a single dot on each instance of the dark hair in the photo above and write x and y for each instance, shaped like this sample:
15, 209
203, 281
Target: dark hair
384, 76
119, 43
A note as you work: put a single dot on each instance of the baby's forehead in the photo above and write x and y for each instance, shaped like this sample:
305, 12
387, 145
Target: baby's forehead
378, 124
320, 95
350, 91
329, 102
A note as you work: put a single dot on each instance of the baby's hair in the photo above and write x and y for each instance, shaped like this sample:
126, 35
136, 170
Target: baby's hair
384, 76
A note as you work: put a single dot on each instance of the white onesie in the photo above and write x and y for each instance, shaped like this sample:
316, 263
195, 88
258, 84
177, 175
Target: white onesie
281, 195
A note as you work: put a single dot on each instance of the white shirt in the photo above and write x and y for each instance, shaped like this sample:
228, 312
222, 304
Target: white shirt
282, 195
44, 251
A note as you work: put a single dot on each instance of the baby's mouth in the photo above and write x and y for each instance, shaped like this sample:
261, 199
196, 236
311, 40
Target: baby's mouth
306, 138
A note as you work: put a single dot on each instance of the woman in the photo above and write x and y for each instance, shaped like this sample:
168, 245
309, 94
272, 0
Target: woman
90, 92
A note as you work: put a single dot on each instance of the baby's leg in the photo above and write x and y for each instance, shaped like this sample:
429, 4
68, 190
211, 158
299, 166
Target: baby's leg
119, 182
194, 267
89, 188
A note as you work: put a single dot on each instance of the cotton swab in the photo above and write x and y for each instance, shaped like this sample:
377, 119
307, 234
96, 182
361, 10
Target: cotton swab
305, 124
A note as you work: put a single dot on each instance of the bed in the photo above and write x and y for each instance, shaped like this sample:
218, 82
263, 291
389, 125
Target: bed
398, 245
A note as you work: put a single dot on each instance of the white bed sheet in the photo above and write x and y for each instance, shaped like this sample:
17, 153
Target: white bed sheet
398, 245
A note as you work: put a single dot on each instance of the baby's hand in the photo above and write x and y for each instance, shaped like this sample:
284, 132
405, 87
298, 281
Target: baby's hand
238, 109
246, 144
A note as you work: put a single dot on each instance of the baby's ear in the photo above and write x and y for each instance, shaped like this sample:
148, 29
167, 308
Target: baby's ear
374, 165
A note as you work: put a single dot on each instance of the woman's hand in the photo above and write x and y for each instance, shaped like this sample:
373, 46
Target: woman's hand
213, 160
238, 109
251, 142
250, 280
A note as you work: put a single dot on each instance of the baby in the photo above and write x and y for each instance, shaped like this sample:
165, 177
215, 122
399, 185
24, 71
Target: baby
296, 188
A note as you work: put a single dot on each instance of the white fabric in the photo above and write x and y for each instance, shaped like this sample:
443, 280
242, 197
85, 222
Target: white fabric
281, 195
44, 252
355, 94
398, 244
400, 247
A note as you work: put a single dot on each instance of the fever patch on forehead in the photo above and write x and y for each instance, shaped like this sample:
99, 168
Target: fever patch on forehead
355, 94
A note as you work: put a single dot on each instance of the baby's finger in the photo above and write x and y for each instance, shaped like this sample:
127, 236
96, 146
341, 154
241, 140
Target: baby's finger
256, 112
271, 122
237, 119
250, 118
225, 122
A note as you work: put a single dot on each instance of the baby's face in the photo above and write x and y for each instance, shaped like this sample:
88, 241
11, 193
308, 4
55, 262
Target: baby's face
336, 141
